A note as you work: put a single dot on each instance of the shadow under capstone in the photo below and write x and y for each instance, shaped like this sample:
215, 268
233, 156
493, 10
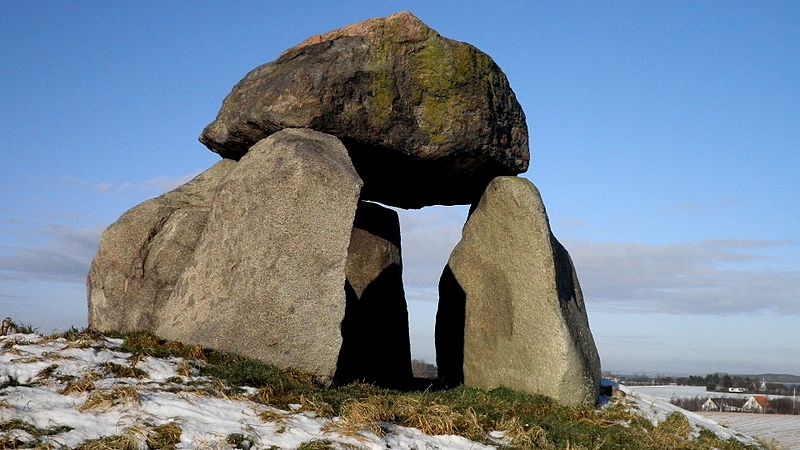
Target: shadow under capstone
450, 330
375, 337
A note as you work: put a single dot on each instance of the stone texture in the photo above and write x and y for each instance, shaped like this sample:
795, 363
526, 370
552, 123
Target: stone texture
375, 346
267, 278
143, 253
427, 120
525, 324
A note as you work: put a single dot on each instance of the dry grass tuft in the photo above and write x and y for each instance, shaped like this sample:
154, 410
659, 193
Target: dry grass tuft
312, 403
316, 444
31, 359
56, 356
84, 384
434, 418
117, 442
297, 376
164, 437
81, 344
514, 431
173, 346
409, 411
77, 335
281, 398
219, 389
676, 425
270, 416
278, 419
46, 373
214, 388
9, 348
107, 398
265, 396
12, 442
184, 369
616, 414
121, 371
363, 415
145, 341
198, 353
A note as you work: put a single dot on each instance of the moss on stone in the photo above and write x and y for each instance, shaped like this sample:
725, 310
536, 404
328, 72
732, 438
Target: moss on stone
440, 69
383, 86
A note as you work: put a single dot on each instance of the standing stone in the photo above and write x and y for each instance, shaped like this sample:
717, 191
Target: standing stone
143, 253
525, 324
427, 120
267, 278
375, 346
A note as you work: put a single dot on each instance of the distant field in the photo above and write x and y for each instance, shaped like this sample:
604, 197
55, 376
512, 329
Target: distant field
668, 392
783, 429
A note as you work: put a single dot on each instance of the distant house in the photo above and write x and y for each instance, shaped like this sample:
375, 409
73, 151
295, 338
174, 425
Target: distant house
756, 404
724, 404
709, 405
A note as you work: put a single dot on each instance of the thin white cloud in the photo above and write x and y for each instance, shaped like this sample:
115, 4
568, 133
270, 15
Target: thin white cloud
65, 256
428, 237
719, 277
157, 185
711, 277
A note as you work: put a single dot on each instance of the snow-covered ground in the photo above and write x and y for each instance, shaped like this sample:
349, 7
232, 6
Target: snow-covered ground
35, 372
785, 430
658, 408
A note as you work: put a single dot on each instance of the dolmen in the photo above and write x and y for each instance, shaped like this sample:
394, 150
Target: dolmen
287, 250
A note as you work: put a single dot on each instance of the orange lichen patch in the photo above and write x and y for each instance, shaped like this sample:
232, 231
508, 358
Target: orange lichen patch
400, 27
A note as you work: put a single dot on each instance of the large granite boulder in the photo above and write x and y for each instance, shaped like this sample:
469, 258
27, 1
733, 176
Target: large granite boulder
427, 120
267, 277
375, 345
143, 253
513, 287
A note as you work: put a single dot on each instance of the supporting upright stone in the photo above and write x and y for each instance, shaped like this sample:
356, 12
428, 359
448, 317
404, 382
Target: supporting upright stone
375, 345
143, 253
525, 324
267, 278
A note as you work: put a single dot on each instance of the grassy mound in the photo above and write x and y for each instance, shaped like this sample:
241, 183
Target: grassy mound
526, 421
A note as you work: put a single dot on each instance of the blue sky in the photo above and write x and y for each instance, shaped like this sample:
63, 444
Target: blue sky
664, 139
